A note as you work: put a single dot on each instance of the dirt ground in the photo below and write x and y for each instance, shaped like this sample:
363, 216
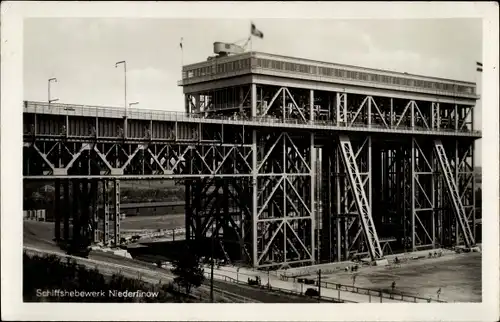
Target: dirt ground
458, 276
42, 233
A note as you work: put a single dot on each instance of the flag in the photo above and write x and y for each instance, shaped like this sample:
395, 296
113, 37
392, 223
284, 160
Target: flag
479, 66
181, 42
256, 32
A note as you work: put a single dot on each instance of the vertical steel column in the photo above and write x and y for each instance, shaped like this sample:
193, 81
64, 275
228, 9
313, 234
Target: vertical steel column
187, 105
412, 192
254, 193
57, 210
456, 173
337, 108
242, 99
370, 177
433, 198
325, 197
76, 212
225, 217
412, 103
94, 191
439, 203
96, 127
125, 124
369, 112
392, 113
313, 199
433, 116
311, 105
345, 208
85, 206
35, 123
401, 178
338, 205
197, 103
117, 212
108, 203
284, 104
187, 209
67, 211
346, 121
438, 116
254, 100
67, 126
284, 192
474, 231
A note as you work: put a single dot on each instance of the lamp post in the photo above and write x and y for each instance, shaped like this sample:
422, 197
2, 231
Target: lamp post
134, 103
125, 75
212, 267
53, 79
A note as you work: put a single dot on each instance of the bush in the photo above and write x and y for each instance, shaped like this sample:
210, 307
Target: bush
47, 273
188, 269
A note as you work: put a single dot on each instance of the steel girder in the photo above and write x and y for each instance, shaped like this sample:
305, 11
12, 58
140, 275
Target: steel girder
141, 159
362, 193
423, 221
283, 199
349, 168
454, 194
457, 195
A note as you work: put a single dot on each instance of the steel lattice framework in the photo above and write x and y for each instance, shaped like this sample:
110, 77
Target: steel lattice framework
280, 167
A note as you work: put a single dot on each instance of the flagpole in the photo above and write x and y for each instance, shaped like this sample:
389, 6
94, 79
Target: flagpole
182, 56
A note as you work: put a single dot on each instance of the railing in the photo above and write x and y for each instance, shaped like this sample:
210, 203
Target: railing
113, 112
372, 294
268, 287
379, 294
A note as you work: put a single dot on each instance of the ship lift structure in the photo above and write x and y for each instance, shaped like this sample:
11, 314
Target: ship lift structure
285, 161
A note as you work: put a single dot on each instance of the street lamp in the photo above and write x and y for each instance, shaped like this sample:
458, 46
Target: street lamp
212, 266
134, 103
53, 79
125, 75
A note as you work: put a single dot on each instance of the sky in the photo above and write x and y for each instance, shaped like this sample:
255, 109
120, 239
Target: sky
81, 52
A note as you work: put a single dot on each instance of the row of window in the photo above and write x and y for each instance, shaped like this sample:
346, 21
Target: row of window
220, 68
335, 72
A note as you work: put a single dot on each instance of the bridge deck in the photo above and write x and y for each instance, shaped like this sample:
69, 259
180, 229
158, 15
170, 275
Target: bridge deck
147, 115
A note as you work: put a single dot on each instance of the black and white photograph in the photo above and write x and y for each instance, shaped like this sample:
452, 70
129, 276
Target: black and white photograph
251, 155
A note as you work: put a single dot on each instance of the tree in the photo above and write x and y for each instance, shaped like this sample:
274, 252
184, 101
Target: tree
188, 269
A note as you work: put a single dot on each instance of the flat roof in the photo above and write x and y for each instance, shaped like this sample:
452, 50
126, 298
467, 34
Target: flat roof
299, 60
